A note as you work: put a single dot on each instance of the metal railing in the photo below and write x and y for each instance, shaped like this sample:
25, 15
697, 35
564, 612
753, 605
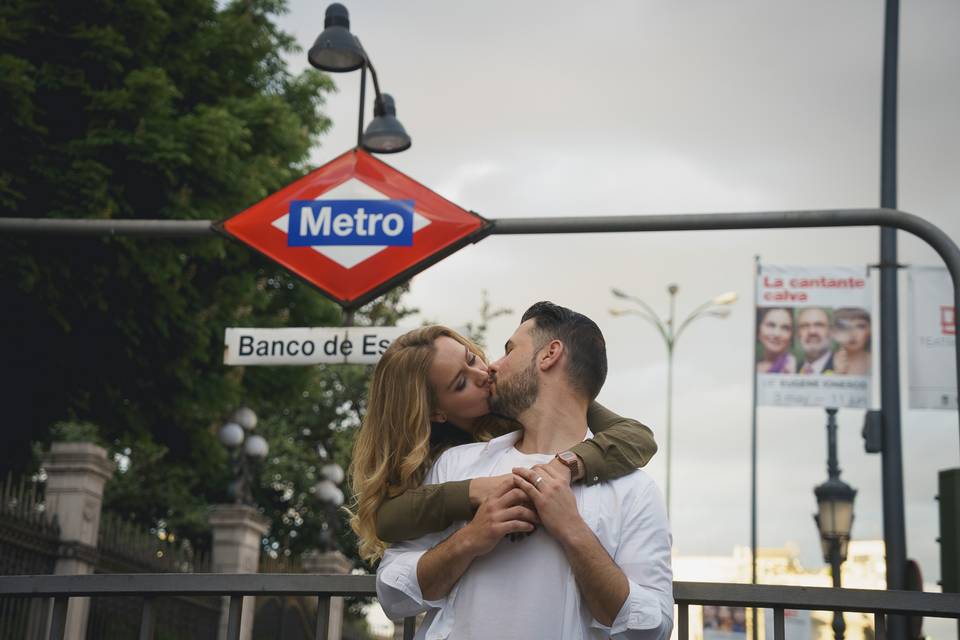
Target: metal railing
236, 586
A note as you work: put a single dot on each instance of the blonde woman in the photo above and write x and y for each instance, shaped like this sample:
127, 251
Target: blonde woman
431, 391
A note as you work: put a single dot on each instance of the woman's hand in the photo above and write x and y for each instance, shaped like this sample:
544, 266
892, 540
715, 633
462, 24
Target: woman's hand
507, 511
483, 488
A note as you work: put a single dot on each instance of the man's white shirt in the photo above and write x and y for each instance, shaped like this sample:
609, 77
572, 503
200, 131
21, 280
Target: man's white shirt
526, 588
817, 366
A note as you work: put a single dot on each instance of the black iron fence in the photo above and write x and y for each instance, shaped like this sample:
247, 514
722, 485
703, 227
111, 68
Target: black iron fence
147, 589
29, 544
124, 547
283, 617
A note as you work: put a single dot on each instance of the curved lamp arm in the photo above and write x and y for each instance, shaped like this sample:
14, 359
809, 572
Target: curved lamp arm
652, 319
696, 313
626, 296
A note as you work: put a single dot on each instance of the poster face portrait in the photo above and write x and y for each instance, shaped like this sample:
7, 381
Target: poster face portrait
852, 334
812, 341
775, 340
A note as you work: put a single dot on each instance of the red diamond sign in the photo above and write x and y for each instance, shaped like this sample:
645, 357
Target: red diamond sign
355, 228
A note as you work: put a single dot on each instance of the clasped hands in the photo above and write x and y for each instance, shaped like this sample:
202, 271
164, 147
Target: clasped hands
513, 504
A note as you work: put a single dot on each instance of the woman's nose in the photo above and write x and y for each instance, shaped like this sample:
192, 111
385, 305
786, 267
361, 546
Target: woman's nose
480, 374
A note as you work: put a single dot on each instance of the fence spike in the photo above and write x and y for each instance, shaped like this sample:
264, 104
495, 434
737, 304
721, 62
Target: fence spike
6, 492
33, 503
21, 494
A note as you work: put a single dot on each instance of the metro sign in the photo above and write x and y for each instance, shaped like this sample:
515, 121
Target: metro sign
355, 228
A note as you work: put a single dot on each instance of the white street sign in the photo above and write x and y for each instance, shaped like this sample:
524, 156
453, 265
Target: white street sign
307, 345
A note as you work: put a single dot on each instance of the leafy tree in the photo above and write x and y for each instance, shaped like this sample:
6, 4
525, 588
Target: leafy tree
161, 109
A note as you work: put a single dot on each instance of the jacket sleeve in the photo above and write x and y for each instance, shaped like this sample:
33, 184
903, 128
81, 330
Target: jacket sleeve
619, 445
427, 509
398, 588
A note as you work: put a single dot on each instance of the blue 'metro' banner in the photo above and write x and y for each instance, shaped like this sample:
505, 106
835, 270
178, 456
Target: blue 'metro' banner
315, 223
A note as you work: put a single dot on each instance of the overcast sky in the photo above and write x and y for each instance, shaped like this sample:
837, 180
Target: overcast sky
624, 108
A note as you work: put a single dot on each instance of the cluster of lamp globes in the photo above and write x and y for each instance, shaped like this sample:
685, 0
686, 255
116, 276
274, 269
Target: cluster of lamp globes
239, 431
337, 50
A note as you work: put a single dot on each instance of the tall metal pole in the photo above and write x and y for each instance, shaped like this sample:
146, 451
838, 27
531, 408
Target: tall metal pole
363, 91
672, 328
894, 527
839, 626
753, 451
833, 473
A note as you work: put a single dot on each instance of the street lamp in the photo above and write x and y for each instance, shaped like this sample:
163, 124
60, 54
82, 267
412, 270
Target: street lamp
716, 307
834, 515
336, 50
239, 431
331, 497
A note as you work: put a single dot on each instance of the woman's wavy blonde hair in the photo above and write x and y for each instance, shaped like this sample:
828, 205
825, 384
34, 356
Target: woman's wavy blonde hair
392, 452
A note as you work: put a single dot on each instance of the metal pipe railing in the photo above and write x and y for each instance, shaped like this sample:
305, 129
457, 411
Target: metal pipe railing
930, 233
236, 586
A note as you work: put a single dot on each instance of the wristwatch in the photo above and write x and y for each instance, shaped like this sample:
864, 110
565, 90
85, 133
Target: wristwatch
571, 461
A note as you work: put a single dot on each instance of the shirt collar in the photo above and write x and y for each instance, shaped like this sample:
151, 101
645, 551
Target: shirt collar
506, 441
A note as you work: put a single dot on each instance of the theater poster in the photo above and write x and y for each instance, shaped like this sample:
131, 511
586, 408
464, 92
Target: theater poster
724, 623
813, 336
796, 625
932, 327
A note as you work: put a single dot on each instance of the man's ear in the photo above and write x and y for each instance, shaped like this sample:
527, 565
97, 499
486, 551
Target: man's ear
550, 355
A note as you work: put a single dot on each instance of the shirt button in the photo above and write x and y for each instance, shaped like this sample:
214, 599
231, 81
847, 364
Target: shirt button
595, 478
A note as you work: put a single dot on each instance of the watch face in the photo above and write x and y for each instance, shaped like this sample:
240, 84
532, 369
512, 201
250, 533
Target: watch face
568, 457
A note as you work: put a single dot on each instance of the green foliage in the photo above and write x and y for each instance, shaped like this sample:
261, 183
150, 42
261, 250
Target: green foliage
75, 431
161, 109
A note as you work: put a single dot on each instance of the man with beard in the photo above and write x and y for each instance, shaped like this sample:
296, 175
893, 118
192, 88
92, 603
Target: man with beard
813, 331
598, 564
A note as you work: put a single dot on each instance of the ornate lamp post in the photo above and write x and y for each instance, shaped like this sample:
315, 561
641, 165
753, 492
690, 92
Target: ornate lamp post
834, 515
246, 448
338, 51
330, 494
717, 307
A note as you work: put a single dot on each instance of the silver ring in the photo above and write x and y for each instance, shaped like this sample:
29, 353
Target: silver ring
538, 480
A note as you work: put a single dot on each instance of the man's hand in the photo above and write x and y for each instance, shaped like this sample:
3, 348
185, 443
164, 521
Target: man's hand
489, 487
507, 511
553, 499
603, 585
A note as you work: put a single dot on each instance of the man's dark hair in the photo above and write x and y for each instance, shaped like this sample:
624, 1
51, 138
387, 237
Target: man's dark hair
586, 348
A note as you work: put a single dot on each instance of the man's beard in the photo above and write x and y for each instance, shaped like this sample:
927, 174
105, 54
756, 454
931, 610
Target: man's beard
514, 396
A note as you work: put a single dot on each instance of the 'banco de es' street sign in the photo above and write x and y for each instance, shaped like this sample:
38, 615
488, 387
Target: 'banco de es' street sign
355, 228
